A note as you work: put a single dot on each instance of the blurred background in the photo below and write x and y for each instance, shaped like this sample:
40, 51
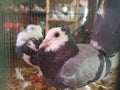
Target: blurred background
15, 15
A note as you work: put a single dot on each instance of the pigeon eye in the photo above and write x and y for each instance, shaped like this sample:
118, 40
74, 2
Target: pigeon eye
28, 44
32, 28
57, 34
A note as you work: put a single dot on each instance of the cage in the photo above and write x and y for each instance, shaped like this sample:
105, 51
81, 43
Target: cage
15, 15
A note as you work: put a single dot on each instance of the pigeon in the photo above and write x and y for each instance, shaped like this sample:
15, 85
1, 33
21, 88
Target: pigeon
106, 33
36, 8
65, 64
27, 44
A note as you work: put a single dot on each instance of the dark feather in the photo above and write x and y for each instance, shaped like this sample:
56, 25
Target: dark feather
106, 29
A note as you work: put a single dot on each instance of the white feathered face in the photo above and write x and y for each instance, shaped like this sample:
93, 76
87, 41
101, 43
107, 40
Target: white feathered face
32, 31
54, 39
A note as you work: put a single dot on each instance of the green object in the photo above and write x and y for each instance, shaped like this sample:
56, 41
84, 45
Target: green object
5, 53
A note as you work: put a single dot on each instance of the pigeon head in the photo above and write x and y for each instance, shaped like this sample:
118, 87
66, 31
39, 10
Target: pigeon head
32, 31
55, 38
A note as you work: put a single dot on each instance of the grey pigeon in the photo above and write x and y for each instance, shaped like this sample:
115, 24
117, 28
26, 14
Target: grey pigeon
67, 65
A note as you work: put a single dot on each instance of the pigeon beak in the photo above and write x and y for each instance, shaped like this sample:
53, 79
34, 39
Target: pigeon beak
44, 43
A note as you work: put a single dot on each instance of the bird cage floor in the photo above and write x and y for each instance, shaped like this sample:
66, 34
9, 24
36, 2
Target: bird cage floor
108, 83
28, 73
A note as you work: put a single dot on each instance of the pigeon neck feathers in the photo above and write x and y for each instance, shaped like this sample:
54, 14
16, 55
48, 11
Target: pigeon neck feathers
58, 59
